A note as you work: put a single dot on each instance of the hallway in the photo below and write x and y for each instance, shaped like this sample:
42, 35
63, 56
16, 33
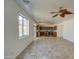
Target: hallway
49, 48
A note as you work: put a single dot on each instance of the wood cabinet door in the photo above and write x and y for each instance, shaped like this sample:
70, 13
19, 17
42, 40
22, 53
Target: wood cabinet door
54, 34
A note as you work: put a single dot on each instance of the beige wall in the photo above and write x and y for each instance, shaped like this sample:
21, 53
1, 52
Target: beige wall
66, 30
13, 45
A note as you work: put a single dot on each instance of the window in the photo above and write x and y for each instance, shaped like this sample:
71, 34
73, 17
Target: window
23, 26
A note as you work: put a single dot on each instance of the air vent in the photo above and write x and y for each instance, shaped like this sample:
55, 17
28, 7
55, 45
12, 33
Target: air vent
26, 1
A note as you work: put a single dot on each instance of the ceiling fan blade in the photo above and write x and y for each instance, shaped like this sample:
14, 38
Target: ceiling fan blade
68, 12
53, 12
60, 7
62, 15
55, 15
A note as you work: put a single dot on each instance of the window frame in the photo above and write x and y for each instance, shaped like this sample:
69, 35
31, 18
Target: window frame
23, 25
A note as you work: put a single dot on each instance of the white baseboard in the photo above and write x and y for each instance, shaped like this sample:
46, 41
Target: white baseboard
9, 57
15, 56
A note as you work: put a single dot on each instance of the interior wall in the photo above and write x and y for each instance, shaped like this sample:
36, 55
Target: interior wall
13, 45
59, 30
67, 30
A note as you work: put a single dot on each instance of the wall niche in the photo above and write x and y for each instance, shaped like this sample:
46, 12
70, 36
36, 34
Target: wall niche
46, 31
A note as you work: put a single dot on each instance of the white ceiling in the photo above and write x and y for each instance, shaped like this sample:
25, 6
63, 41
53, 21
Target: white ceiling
40, 9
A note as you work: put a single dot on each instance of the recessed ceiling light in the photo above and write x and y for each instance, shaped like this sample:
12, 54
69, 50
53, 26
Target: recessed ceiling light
26, 1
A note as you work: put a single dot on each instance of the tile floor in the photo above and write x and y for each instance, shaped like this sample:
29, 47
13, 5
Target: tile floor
49, 48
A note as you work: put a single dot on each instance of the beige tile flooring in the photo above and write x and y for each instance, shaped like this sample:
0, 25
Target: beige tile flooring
49, 48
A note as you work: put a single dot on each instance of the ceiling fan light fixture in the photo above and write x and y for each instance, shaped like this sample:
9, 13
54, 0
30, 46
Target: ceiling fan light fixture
62, 12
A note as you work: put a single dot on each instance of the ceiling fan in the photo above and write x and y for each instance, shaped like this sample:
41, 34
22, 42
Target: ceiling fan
62, 12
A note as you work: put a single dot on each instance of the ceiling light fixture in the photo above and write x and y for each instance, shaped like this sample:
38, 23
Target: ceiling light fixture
26, 1
62, 12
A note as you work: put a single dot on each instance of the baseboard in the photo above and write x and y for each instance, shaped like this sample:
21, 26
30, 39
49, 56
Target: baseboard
9, 57
23, 50
68, 40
